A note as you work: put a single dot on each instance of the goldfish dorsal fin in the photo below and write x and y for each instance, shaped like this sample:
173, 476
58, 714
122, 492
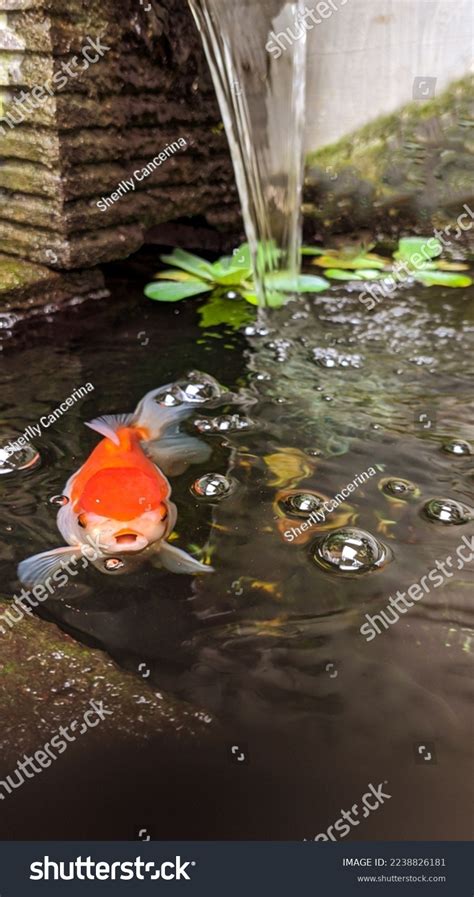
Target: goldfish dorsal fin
109, 424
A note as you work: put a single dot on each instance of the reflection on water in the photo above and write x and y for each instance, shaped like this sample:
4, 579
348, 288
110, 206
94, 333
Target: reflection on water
271, 642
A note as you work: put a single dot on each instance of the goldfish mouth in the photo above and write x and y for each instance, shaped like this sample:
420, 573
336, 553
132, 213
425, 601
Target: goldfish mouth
126, 538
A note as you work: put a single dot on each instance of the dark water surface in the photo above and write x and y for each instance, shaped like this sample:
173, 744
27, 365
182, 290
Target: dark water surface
270, 643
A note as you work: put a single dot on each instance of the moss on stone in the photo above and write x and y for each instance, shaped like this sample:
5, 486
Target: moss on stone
411, 169
47, 679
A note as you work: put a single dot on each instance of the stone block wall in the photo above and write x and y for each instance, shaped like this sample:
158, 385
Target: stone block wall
72, 130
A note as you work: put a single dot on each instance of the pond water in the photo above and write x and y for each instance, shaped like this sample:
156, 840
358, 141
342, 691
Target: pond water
270, 643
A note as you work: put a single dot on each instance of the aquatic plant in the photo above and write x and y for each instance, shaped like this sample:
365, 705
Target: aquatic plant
415, 256
229, 280
193, 276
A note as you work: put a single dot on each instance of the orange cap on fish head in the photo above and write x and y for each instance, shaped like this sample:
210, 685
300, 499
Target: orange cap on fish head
122, 493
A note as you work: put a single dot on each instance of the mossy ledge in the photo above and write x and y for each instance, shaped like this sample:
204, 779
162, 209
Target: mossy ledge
48, 679
411, 170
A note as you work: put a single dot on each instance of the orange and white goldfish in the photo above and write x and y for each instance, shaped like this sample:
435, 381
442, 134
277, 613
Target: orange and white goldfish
119, 500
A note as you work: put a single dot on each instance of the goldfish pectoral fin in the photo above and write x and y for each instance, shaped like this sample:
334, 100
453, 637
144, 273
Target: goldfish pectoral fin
178, 561
37, 569
109, 424
174, 454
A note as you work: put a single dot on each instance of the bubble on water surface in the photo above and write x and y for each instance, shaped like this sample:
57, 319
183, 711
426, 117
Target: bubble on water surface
447, 511
255, 330
259, 375
281, 348
422, 360
169, 398
331, 358
226, 423
457, 447
212, 485
196, 388
300, 504
399, 488
350, 550
113, 564
59, 500
13, 458
7, 321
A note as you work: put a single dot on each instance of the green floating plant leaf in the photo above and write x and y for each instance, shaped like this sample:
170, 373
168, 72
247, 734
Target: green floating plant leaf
229, 275
442, 279
360, 274
274, 299
305, 283
313, 250
189, 262
451, 266
418, 250
370, 274
242, 258
219, 310
338, 260
338, 274
166, 291
180, 276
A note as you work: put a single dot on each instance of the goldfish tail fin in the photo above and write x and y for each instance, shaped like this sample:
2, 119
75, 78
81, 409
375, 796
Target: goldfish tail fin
39, 568
174, 454
177, 561
157, 416
109, 424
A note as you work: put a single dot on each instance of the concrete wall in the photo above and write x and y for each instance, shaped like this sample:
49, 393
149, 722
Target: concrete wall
364, 58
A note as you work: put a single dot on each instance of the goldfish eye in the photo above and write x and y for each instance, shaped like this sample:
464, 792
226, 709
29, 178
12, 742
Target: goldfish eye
82, 521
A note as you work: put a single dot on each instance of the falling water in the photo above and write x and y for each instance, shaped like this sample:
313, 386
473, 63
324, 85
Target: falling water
261, 93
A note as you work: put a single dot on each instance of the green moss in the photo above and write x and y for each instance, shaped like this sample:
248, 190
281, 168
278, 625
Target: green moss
371, 139
47, 678
408, 170
17, 274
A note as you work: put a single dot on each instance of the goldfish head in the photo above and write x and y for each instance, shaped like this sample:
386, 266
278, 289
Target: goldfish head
124, 513
119, 536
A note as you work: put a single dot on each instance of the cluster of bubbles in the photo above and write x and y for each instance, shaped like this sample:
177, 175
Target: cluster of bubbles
195, 389
281, 348
255, 330
331, 358
212, 486
226, 423
16, 459
350, 550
